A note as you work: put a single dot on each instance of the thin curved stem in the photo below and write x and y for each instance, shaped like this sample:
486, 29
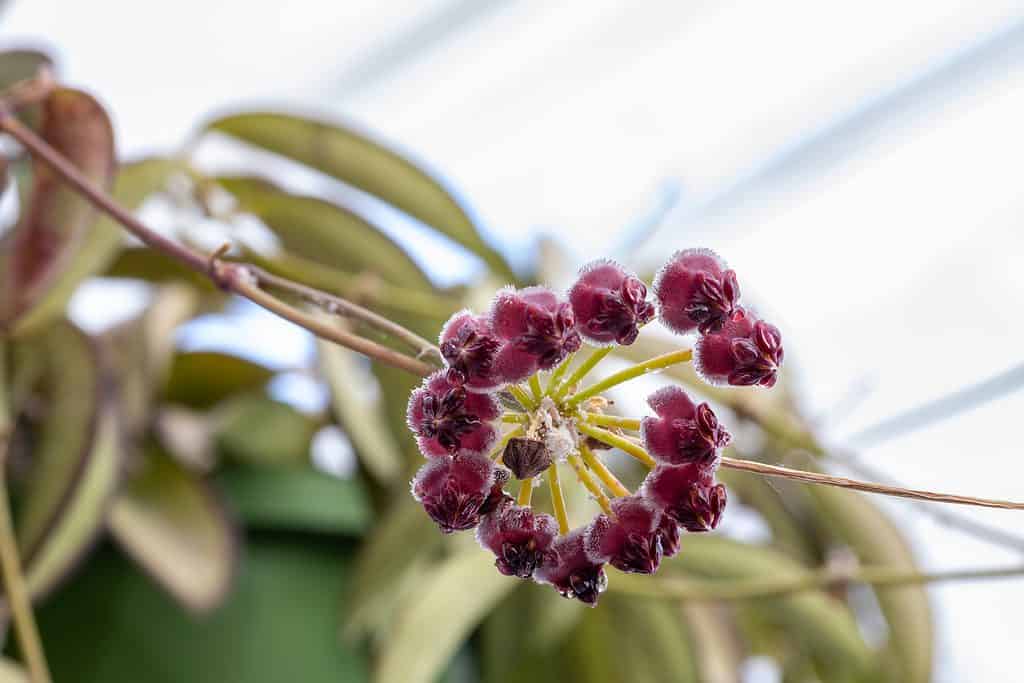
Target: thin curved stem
588, 482
602, 472
521, 395
622, 443
558, 373
653, 365
579, 373
558, 500
776, 586
629, 423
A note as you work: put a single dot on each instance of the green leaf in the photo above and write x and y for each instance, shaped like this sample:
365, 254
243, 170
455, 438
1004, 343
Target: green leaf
280, 623
253, 428
100, 246
295, 498
326, 233
823, 625
55, 224
717, 650
353, 158
18, 65
449, 602
359, 411
877, 542
174, 525
149, 265
202, 379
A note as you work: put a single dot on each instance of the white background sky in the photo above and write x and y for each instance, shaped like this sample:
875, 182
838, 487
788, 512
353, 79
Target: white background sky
859, 164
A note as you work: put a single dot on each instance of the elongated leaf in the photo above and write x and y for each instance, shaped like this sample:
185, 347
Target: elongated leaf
359, 412
56, 221
651, 644
326, 233
174, 525
823, 625
100, 246
449, 603
876, 541
356, 159
716, 647
253, 428
295, 498
278, 624
202, 379
11, 672
149, 265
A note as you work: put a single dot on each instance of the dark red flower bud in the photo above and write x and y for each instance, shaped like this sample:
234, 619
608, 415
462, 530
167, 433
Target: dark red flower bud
538, 329
695, 290
469, 346
609, 303
453, 489
631, 541
567, 567
447, 418
682, 433
518, 537
747, 351
687, 494
526, 457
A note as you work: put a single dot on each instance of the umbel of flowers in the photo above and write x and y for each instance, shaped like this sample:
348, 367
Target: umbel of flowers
457, 416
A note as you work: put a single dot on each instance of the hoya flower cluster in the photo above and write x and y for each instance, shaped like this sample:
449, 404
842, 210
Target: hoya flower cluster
522, 352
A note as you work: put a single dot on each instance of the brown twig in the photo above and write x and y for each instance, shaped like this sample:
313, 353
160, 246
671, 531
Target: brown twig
238, 278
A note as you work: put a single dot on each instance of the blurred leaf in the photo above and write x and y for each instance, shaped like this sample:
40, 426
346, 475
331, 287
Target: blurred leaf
650, 643
175, 526
295, 498
449, 603
355, 159
822, 624
717, 650
55, 223
877, 542
100, 246
358, 411
149, 265
279, 623
326, 233
393, 551
18, 65
202, 379
256, 429
10, 672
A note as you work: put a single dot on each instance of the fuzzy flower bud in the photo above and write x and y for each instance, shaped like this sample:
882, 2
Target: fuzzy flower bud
468, 346
568, 568
682, 432
453, 489
447, 418
538, 331
610, 304
747, 351
695, 290
631, 540
688, 494
518, 537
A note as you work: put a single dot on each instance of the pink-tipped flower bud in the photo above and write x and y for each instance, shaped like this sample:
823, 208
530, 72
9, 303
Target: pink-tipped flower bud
568, 568
446, 418
538, 331
610, 304
682, 432
452, 489
688, 494
695, 290
631, 540
747, 351
518, 537
468, 346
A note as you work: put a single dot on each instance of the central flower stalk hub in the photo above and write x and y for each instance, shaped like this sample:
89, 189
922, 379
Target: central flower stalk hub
513, 402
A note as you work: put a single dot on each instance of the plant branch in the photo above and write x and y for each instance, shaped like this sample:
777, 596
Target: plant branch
238, 278
868, 487
776, 586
